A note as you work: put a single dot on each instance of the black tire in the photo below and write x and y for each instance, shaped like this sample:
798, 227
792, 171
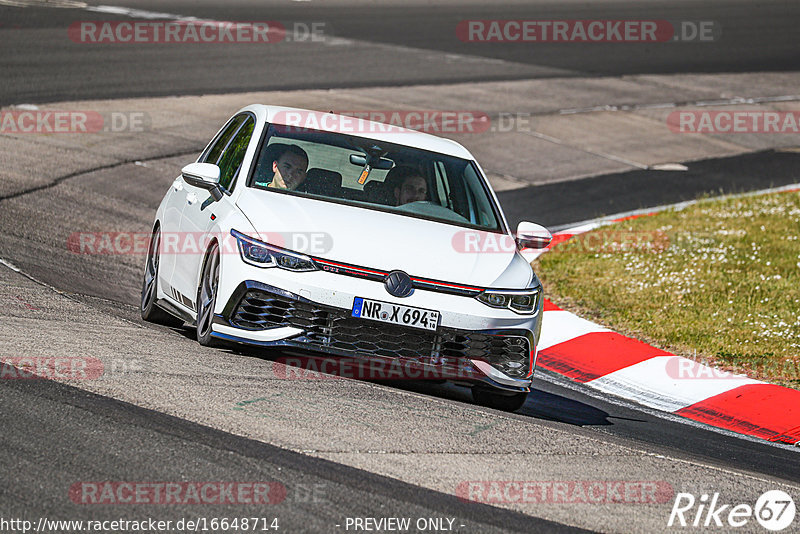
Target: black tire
207, 297
150, 311
497, 400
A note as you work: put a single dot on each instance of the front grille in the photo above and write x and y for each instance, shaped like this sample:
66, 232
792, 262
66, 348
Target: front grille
380, 339
510, 353
332, 328
258, 310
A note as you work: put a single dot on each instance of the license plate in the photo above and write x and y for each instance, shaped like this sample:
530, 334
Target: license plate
386, 312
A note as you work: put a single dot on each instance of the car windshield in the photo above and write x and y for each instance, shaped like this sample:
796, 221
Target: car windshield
375, 174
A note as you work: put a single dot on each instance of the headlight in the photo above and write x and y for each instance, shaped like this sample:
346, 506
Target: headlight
261, 254
519, 301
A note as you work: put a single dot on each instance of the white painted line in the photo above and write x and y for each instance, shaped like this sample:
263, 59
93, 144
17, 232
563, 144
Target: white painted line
9, 265
46, 3
133, 13
560, 326
611, 157
649, 383
669, 167
581, 228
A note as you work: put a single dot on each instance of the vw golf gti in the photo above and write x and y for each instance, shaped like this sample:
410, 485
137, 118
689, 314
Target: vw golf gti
330, 234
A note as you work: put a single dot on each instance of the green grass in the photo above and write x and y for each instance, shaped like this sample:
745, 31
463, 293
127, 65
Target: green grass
718, 281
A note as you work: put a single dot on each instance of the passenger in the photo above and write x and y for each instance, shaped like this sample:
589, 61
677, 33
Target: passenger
290, 168
407, 185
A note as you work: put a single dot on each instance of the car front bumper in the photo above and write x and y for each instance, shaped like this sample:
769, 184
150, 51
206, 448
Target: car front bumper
256, 313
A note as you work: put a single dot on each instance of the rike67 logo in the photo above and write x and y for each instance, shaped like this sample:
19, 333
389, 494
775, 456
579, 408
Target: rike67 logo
774, 510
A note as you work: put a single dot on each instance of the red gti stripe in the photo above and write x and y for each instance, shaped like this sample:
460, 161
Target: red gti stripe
431, 282
350, 267
384, 273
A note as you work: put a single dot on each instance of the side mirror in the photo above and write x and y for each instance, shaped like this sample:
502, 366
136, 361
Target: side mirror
532, 235
204, 176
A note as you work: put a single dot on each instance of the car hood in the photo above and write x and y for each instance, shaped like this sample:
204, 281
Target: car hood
385, 241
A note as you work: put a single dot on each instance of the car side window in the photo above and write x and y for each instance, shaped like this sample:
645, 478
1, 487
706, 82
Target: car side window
480, 210
214, 151
442, 187
231, 160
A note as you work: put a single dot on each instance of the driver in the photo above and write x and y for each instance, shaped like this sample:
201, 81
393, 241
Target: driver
289, 168
408, 185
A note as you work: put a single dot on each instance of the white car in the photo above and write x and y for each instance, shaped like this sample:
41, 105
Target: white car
389, 245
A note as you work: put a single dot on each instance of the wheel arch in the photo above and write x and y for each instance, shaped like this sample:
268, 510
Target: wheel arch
206, 254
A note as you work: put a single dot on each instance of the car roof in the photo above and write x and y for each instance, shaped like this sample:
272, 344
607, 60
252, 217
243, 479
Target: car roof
360, 128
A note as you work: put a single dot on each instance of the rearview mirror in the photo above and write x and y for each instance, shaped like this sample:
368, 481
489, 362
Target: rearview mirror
532, 235
205, 176
383, 164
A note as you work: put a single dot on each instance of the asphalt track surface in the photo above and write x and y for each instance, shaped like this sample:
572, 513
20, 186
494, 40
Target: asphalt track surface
54, 434
112, 283
559, 204
75, 429
381, 46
